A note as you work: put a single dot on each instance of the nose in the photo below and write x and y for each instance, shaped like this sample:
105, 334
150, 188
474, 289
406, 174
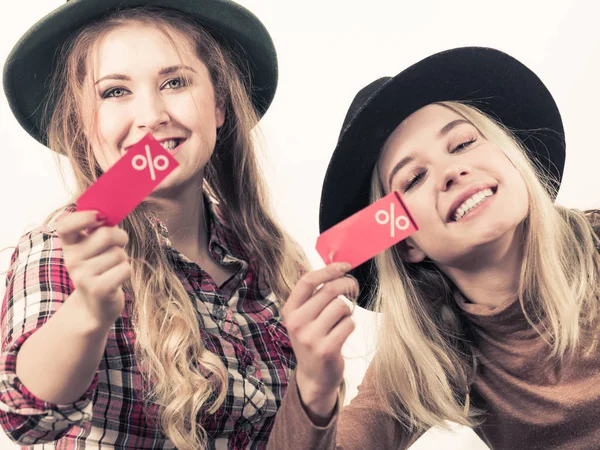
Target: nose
453, 175
151, 112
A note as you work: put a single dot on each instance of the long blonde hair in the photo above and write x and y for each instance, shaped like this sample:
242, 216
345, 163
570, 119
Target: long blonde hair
426, 359
165, 321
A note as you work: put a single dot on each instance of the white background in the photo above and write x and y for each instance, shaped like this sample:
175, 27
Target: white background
328, 50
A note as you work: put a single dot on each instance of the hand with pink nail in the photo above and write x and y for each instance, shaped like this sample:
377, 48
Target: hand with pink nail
97, 264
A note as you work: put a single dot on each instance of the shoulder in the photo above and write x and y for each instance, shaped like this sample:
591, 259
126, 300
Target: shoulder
593, 215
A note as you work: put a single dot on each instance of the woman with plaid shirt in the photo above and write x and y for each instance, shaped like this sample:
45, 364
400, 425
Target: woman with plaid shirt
164, 331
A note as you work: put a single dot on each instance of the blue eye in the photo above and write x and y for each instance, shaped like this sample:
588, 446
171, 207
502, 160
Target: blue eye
175, 83
114, 92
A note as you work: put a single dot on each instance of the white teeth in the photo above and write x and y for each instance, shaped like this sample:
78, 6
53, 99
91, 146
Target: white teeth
170, 144
471, 203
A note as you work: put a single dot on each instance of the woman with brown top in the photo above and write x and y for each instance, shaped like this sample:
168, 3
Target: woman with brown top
490, 311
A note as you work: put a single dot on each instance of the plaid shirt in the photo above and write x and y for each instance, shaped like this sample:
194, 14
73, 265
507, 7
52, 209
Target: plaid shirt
238, 321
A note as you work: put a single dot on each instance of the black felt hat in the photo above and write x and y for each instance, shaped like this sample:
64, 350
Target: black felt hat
491, 80
30, 64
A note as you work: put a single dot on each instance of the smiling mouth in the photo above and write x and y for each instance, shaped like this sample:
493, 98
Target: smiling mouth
168, 144
473, 202
171, 144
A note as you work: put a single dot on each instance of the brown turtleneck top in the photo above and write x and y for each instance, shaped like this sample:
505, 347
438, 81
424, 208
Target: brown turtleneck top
529, 402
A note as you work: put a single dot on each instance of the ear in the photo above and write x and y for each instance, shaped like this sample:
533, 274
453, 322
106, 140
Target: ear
411, 252
219, 115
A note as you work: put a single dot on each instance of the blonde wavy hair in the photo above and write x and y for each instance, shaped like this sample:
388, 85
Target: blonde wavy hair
426, 359
184, 379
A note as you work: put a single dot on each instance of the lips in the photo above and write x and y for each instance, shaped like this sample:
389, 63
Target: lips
466, 195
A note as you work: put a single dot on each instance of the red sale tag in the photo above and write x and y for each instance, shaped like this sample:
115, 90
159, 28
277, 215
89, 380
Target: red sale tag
126, 184
368, 232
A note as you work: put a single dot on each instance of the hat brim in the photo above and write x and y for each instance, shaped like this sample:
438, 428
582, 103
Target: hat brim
31, 62
491, 80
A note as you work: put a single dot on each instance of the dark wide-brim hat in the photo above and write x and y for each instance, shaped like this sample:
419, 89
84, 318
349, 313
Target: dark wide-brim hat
492, 81
30, 64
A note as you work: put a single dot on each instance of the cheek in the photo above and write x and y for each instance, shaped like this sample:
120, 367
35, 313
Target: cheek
195, 114
103, 158
521, 192
510, 176
112, 125
108, 129
422, 213
495, 159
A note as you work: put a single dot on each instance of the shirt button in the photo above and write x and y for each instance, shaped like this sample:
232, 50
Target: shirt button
250, 370
220, 313
245, 426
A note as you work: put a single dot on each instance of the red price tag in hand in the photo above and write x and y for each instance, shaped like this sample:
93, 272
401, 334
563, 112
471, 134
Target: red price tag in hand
368, 232
126, 184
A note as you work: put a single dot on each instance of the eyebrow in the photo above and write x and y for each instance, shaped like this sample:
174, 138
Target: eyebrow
164, 71
407, 159
446, 129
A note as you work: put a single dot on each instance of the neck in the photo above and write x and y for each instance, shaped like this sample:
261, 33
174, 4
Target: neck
490, 276
185, 217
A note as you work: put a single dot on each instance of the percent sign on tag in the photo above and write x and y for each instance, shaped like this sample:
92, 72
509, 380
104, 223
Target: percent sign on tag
126, 184
368, 232
140, 162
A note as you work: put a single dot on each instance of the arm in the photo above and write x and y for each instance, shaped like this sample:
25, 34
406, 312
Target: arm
319, 323
363, 424
52, 341
37, 286
62, 373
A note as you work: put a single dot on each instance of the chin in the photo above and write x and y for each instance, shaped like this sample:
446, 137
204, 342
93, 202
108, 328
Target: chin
172, 186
